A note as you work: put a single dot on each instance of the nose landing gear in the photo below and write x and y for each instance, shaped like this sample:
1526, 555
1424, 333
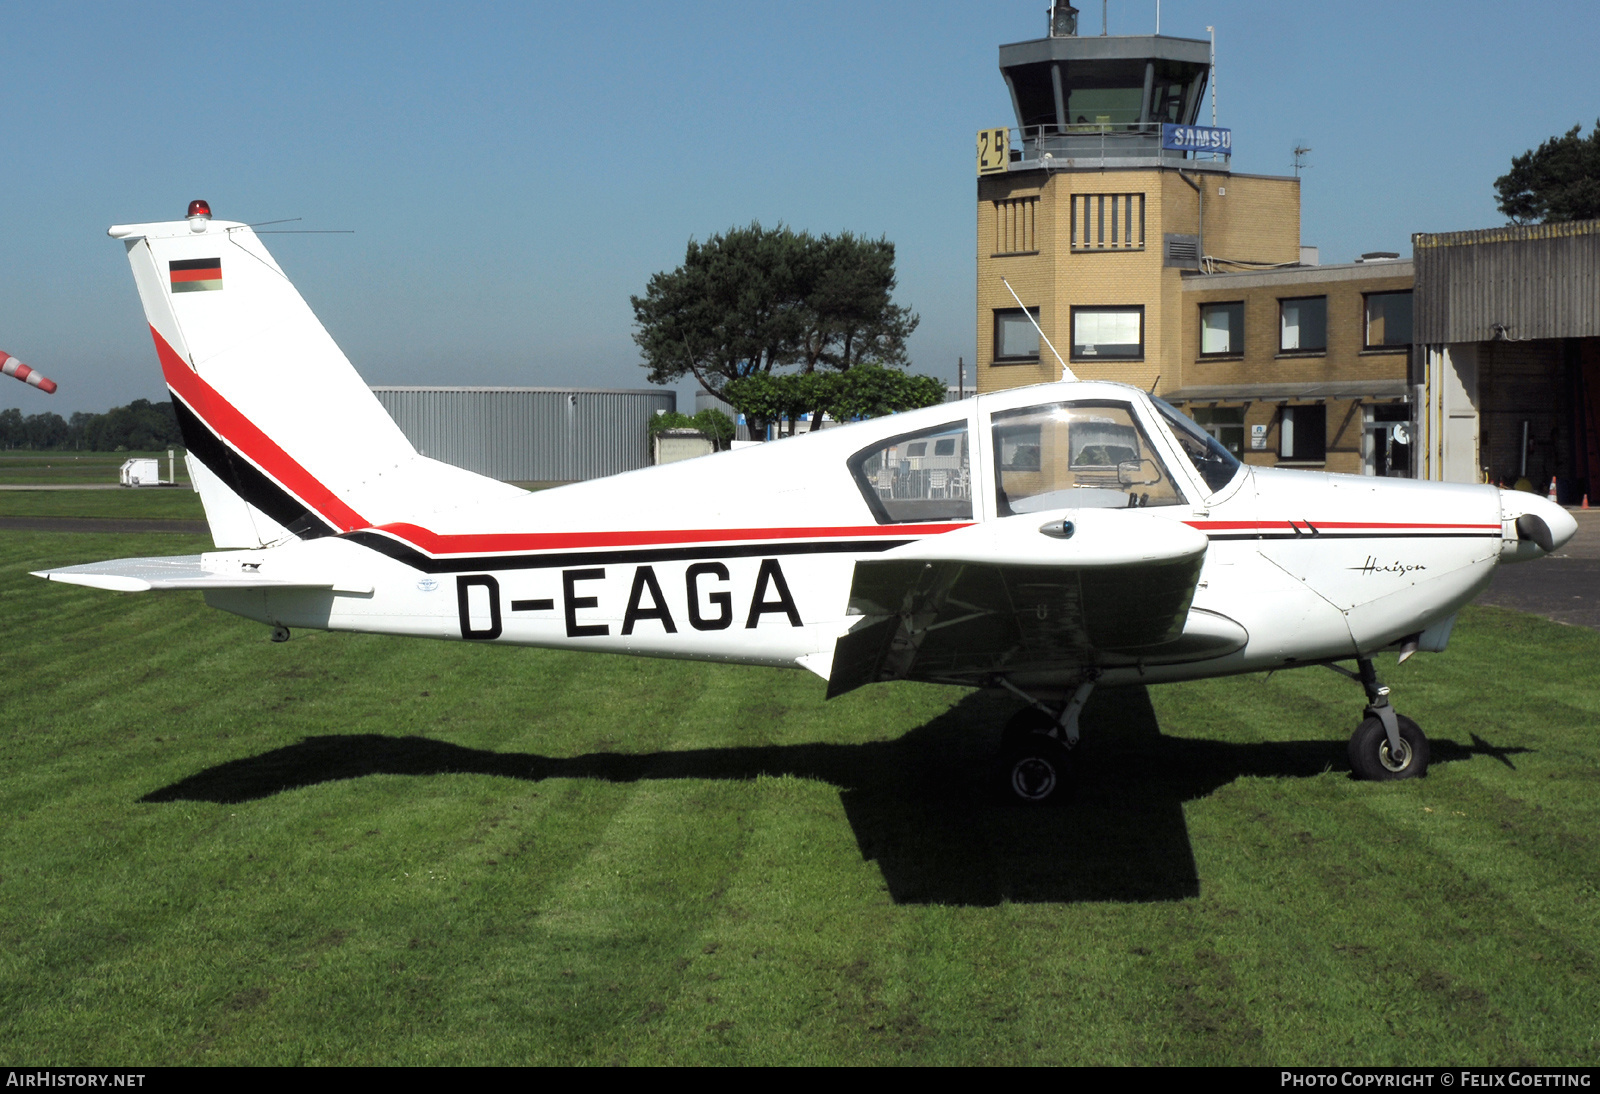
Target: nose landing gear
1386, 745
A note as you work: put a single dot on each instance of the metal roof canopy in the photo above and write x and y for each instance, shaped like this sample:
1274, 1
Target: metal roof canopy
1107, 47
1285, 393
1518, 283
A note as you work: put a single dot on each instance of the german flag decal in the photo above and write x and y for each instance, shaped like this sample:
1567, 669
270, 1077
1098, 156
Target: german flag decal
196, 274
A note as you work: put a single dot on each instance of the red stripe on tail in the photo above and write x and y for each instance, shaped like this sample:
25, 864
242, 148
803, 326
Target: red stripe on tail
239, 432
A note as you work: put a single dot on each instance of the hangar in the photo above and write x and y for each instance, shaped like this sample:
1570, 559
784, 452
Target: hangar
529, 434
1508, 355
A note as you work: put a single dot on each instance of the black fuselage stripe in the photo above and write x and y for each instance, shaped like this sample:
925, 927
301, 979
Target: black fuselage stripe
401, 552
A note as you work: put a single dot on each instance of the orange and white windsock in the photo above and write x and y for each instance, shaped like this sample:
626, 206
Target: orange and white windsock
14, 367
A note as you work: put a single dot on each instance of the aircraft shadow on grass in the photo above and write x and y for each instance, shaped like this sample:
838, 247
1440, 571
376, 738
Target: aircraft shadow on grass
923, 806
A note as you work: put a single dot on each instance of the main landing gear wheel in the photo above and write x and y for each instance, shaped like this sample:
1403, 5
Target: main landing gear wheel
1036, 771
1372, 757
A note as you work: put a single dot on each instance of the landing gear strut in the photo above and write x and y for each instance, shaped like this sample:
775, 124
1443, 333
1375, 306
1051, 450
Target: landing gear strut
1386, 745
1036, 748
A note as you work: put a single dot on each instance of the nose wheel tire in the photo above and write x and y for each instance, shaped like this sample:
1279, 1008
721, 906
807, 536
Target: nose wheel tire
1372, 758
1036, 772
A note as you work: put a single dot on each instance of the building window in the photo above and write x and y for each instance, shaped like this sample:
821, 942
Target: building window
1222, 329
1225, 423
1016, 339
1016, 226
1303, 325
1107, 222
1115, 333
1388, 319
1303, 434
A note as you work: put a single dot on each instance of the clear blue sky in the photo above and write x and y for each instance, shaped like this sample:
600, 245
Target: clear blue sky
513, 173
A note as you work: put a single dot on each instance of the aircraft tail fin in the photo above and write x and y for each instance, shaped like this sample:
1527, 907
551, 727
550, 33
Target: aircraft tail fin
284, 436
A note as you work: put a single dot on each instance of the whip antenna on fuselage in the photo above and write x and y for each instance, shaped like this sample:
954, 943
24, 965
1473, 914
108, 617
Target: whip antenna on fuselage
1066, 373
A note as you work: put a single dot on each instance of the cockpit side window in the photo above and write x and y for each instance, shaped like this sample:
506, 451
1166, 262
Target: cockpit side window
1215, 463
1076, 455
917, 476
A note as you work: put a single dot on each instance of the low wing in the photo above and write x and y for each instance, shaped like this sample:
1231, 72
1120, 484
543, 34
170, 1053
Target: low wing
139, 575
1016, 596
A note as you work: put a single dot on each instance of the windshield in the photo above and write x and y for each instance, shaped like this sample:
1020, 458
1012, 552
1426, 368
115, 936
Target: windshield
1076, 455
1215, 463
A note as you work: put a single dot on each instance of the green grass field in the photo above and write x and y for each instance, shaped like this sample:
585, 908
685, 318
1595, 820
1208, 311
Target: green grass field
26, 466
74, 469
351, 849
144, 503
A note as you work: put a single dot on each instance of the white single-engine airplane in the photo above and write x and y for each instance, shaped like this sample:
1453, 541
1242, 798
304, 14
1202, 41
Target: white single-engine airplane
1043, 540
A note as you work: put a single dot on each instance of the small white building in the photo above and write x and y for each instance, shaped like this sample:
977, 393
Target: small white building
140, 472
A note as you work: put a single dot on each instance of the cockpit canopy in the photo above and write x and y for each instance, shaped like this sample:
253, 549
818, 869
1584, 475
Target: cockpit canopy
1068, 454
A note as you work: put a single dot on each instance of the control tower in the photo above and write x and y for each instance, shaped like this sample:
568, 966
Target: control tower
1101, 198
1101, 101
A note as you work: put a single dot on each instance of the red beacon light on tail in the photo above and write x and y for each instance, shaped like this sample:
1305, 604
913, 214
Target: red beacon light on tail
199, 215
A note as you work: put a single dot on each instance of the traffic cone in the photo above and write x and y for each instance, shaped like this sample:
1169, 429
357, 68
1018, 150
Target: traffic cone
1586, 501
1552, 488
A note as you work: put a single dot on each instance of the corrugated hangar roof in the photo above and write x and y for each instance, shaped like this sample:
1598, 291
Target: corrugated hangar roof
1514, 283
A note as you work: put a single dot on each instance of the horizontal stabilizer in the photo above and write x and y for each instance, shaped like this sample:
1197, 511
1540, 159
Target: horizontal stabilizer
140, 575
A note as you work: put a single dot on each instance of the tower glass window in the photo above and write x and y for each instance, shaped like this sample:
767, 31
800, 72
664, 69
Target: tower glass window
1016, 339
1303, 324
1115, 333
1222, 329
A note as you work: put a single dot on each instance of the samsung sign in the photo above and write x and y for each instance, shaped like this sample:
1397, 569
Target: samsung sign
1197, 138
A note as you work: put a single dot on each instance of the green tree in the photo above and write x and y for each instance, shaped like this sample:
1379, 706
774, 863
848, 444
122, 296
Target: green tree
13, 428
47, 430
717, 427
872, 391
731, 310
755, 300
712, 424
1558, 181
866, 391
850, 313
